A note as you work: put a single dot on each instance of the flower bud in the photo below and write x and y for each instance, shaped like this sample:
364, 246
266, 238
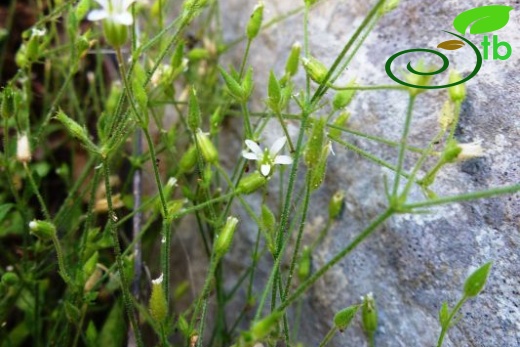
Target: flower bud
318, 172
194, 111
316, 70
267, 225
315, 143
264, 327
336, 204
10, 279
476, 281
274, 93
304, 265
369, 314
341, 122
42, 229
251, 183
188, 159
76, 130
344, 97
234, 88
457, 93
206, 147
389, 6
419, 80
451, 152
224, 238
291, 66
255, 22
447, 116
23, 149
8, 102
158, 305
115, 34
343, 318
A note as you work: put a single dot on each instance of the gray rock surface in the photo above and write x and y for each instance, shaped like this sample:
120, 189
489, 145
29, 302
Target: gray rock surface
413, 263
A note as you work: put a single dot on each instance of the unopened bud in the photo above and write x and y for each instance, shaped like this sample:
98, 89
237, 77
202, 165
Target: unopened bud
188, 159
457, 93
206, 147
264, 327
255, 22
158, 304
315, 143
291, 67
316, 70
42, 229
419, 80
318, 172
23, 149
336, 204
194, 111
224, 238
76, 130
115, 34
8, 102
341, 122
251, 183
344, 97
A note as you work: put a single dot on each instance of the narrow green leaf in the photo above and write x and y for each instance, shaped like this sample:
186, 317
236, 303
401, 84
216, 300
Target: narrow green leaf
476, 281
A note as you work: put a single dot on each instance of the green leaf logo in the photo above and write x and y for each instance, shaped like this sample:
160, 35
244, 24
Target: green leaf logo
485, 19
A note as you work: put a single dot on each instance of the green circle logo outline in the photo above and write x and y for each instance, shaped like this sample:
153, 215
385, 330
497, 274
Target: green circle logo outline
443, 68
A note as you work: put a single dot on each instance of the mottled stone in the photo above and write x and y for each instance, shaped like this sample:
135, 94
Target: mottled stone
413, 263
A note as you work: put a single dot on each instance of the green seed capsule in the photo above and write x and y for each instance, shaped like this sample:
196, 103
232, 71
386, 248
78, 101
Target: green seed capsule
264, 327
316, 70
188, 159
42, 229
369, 314
10, 279
158, 304
76, 130
206, 147
315, 143
343, 318
115, 34
457, 93
194, 111
451, 152
336, 204
291, 67
344, 97
224, 238
251, 183
255, 22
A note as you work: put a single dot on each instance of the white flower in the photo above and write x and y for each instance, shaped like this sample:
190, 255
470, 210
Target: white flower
115, 11
470, 150
23, 149
267, 157
158, 280
38, 32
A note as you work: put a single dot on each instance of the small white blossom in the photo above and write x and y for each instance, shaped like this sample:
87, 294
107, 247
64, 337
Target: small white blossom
23, 149
470, 150
267, 158
115, 11
38, 32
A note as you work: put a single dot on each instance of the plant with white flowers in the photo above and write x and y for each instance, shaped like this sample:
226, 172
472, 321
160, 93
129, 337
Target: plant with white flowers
116, 16
267, 158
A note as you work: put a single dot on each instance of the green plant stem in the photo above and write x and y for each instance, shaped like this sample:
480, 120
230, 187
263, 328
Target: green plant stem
202, 301
338, 257
299, 236
61, 261
374, 87
43, 206
285, 131
112, 218
402, 146
247, 121
328, 337
446, 325
244, 59
322, 89
464, 197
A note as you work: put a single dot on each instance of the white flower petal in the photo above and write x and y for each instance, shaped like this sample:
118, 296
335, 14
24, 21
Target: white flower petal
124, 18
249, 155
95, 15
277, 146
283, 160
265, 169
255, 148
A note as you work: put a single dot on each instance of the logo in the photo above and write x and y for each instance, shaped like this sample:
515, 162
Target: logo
479, 20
